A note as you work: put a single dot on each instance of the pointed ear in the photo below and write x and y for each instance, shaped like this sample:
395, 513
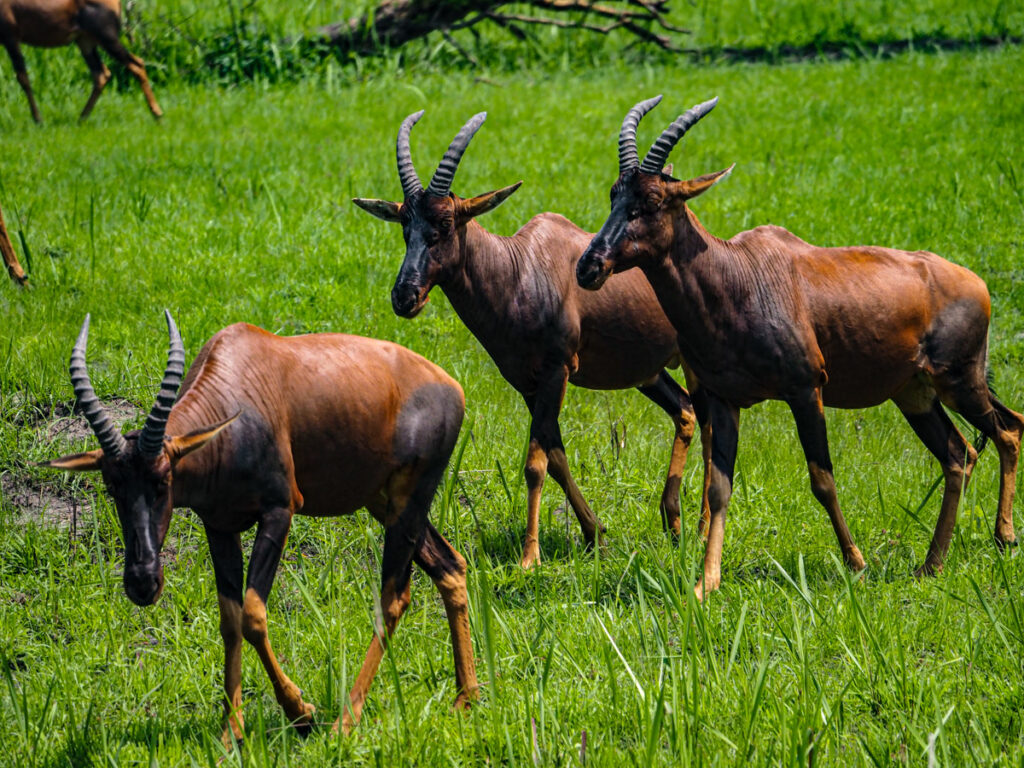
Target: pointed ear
667, 170
179, 447
693, 187
76, 462
382, 209
477, 206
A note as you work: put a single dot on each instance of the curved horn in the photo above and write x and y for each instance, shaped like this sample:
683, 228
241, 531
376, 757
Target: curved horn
406, 171
441, 183
628, 157
151, 439
111, 441
657, 155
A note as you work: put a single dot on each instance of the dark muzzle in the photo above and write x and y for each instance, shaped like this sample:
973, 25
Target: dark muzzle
407, 299
592, 269
144, 583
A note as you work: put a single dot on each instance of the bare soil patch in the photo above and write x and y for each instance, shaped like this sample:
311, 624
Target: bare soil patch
59, 424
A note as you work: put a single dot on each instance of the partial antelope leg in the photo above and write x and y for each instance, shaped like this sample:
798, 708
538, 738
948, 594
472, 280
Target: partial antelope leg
955, 456
10, 258
675, 401
810, 425
271, 534
447, 569
98, 70
702, 410
725, 426
18, 61
545, 453
401, 540
226, 551
105, 26
1004, 427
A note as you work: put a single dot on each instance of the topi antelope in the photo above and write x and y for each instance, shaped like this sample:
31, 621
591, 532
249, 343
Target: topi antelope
91, 24
10, 258
518, 297
767, 316
316, 425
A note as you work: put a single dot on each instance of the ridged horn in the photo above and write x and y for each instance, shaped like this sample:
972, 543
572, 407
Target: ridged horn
411, 183
441, 183
151, 439
111, 441
658, 154
628, 157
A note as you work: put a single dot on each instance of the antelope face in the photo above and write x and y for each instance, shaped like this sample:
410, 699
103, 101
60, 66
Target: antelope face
428, 227
645, 200
141, 490
637, 229
430, 217
136, 467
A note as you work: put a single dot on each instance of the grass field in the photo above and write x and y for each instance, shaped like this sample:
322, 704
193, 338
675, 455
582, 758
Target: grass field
237, 207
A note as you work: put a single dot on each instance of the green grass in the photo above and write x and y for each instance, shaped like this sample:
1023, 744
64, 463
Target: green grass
237, 207
261, 40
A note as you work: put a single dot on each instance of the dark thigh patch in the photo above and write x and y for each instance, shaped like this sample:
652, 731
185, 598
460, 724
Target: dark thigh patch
428, 423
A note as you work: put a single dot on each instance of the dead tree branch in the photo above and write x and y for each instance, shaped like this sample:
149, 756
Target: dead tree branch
396, 22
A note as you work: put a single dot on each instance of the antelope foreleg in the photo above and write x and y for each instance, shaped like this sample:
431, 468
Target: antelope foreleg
535, 470
701, 410
810, 425
725, 421
266, 554
21, 73
226, 552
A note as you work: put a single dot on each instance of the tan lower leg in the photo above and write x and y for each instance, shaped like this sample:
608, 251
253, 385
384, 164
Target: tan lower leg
1009, 448
231, 633
392, 606
824, 487
536, 469
254, 628
10, 258
705, 510
712, 579
670, 516
453, 593
719, 491
139, 70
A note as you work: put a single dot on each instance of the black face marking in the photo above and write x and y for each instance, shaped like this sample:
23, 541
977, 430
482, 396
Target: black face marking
428, 229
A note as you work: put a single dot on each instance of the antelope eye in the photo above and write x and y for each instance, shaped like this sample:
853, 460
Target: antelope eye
432, 238
634, 213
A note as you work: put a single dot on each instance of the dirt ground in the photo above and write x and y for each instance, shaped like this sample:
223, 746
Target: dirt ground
55, 501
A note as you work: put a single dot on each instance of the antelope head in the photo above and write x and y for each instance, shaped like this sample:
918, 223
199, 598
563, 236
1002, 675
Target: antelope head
645, 199
430, 217
136, 467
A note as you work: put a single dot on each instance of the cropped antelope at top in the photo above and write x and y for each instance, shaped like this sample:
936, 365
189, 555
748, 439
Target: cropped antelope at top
316, 425
91, 24
518, 297
765, 315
